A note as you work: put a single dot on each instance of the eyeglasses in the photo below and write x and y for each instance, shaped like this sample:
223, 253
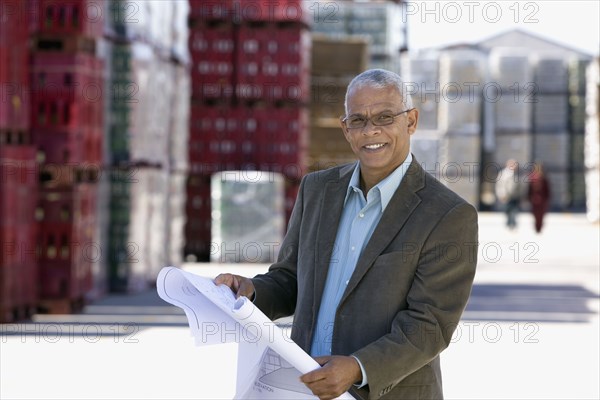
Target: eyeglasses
383, 119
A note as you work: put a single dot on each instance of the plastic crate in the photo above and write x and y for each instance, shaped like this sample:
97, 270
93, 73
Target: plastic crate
75, 17
60, 147
211, 9
66, 91
67, 204
551, 75
14, 73
552, 149
18, 184
67, 226
212, 53
551, 113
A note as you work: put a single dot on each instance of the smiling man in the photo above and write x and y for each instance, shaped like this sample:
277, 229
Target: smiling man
378, 261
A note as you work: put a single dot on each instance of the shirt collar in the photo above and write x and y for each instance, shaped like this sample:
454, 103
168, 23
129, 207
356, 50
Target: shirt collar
387, 187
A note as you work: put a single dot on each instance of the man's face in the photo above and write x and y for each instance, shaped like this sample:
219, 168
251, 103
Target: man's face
380, 149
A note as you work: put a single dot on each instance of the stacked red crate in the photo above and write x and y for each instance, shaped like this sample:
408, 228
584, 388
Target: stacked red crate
18, 189
242, 137
18, 168
210, 131
249, 10
292, 142
67, 120
272, 63
14, 76
212, 51
67, 101
236, 137
256, 66
253, 124
202, 10
267, 135
67, 220
70, 17
250, 87
294, 64
293, 11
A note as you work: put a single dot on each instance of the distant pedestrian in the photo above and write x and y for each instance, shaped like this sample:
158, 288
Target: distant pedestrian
508, 191
539, 195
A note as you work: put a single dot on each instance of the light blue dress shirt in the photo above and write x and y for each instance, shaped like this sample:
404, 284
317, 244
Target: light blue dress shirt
359, 218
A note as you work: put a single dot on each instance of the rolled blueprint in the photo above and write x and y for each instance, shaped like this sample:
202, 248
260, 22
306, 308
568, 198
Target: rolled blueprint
249, 316
213, 313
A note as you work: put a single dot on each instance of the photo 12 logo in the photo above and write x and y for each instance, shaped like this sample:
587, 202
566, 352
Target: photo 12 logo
71, 333
471, 11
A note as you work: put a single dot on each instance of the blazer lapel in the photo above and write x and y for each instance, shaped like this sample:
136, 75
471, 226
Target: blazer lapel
329, 219
403, 203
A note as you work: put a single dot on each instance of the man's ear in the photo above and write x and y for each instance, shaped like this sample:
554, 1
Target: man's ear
344, 129
413, 120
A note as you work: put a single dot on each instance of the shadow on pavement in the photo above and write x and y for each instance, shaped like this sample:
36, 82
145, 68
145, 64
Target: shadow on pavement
532, 303
125, 315
122, 315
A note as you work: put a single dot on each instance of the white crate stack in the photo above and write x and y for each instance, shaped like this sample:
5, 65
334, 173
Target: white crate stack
150, 113
551, 74
551, 113
510, 103
512, 72
577, 118
592, 141
176, 218
425, 146
461, 75
157, 131
460, 164
136, 271
513, 145
549, 149
560, 189
551, 137
179, 120
422, 80
178, 164
157, 224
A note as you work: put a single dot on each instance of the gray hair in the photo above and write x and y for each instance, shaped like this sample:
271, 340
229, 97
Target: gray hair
379, 79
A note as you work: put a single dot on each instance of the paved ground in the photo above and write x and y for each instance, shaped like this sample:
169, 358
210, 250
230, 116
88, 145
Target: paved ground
531, 331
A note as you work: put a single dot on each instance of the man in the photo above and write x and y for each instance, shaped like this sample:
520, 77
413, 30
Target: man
508, 191
538, 193
378, 261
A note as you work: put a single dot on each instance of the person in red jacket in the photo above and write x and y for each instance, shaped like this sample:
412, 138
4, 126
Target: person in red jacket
539, 195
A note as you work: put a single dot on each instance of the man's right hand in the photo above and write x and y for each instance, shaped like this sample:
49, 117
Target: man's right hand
239, 285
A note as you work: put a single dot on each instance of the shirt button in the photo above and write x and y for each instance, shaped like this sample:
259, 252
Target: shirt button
348, 281
352, 248
361, 215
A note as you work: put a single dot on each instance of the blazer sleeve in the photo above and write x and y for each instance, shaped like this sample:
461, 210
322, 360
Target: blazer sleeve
436, 299
277, 290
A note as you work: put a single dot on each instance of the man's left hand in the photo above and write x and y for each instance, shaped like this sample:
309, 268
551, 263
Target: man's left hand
335, 377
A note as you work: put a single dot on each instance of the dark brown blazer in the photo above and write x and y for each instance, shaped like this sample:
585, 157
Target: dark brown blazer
407, 293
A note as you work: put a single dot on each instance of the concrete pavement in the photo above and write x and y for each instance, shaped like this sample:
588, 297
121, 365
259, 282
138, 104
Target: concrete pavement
530, 331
